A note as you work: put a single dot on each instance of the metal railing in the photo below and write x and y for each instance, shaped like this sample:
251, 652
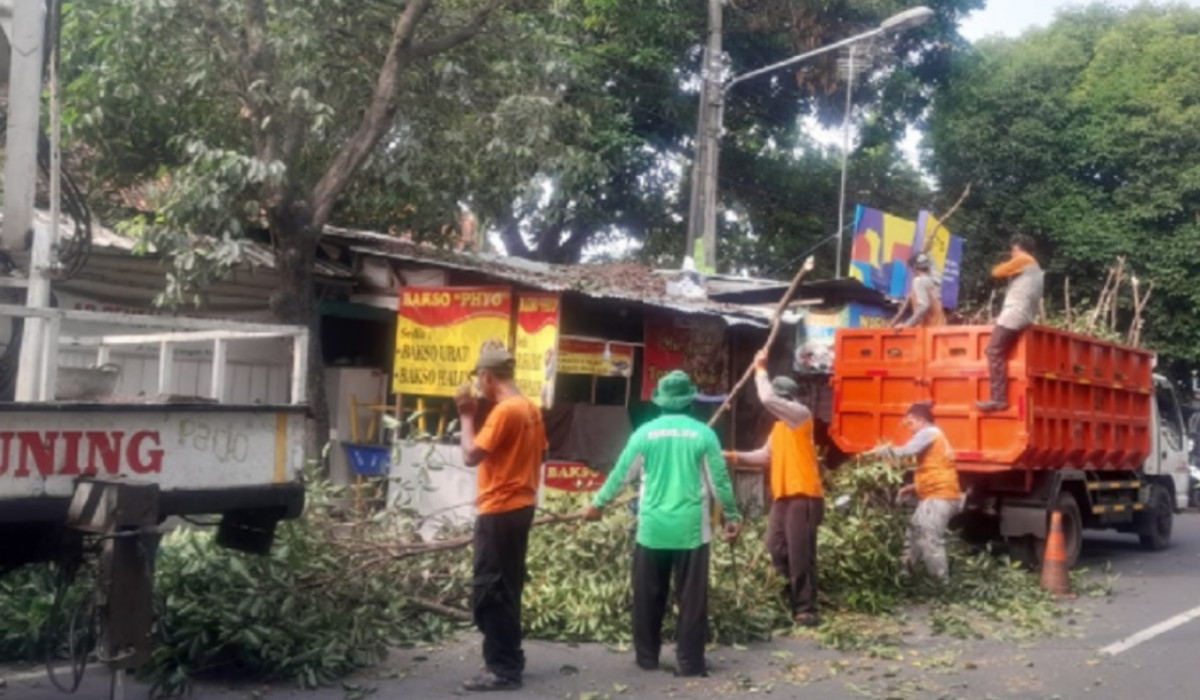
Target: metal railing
174, 330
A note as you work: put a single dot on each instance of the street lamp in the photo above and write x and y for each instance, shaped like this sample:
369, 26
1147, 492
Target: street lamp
702, 219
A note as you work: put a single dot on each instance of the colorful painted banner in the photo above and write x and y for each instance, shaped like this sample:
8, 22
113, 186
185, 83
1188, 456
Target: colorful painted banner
440, 331
884, 243
575, 477
694, 344
589, 357
537, 340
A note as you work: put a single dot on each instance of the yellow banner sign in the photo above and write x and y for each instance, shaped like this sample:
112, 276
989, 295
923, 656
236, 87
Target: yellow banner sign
589, 357
439, 333
537, 340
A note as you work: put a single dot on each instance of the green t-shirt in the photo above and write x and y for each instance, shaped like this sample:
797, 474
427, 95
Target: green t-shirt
679, 462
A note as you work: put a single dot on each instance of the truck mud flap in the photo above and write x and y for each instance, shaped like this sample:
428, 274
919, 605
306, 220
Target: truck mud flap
1017, 520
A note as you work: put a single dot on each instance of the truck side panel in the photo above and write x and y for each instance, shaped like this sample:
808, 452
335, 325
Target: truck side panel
44, 448
1075, 402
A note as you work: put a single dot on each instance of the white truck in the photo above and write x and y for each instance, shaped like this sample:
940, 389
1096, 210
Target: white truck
79, 464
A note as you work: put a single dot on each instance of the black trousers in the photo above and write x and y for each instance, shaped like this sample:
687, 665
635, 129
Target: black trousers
1003, 340
501, 540
652, 573
792, 544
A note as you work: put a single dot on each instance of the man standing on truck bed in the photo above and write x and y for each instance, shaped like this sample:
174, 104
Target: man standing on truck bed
1021, 304
798, 502
678, 460
508, 450
924, 298
935, 484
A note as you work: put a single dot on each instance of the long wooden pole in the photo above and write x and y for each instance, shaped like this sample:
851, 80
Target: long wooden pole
776, 321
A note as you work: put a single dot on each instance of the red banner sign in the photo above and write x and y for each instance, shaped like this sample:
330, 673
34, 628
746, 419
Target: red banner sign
694, 344
537, 340
572, 476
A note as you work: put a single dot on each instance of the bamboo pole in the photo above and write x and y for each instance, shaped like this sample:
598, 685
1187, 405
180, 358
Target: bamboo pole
776, 321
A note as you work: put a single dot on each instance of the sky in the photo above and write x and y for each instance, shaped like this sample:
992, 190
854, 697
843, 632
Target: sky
1012, 17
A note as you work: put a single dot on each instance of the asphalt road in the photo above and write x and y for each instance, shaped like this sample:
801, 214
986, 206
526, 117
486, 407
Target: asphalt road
1142, 642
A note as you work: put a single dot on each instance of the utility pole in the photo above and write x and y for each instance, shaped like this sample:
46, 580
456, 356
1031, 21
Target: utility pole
702, 209
841, 235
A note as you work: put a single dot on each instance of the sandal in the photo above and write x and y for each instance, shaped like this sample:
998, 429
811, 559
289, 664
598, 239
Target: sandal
490, 681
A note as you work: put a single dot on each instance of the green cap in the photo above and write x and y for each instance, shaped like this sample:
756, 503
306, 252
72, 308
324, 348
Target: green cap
674, 392
494, 357
785, 387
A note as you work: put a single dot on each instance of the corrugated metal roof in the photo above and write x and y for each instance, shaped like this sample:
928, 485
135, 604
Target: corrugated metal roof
625, 282
256, 254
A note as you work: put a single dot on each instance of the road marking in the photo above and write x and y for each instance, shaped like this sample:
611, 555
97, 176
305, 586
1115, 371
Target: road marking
1151, 632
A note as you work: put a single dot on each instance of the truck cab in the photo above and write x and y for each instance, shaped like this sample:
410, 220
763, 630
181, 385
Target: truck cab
1170, 443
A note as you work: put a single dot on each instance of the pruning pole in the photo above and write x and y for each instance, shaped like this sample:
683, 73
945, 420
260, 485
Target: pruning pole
776, 321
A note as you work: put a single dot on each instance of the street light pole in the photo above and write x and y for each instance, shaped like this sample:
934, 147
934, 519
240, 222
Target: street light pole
711, 122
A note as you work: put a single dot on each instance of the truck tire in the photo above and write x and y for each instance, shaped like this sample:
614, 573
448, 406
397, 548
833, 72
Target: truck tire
1072, 525
1155, 523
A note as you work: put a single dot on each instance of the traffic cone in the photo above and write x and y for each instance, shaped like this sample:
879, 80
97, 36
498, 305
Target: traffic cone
1055, 578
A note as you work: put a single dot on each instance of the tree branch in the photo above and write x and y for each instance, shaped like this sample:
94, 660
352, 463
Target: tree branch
376, 117
457, 37
381, 108
225, 38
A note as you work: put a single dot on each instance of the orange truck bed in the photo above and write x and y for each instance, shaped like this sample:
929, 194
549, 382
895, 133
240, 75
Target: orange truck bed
1074, 401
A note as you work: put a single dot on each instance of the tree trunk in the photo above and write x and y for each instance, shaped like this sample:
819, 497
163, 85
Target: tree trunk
296, 302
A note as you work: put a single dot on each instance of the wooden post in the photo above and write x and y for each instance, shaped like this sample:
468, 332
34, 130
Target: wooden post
166, 367
217, 383
300, 362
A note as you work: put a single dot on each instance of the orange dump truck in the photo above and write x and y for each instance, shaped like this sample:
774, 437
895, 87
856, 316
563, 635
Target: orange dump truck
1090, 431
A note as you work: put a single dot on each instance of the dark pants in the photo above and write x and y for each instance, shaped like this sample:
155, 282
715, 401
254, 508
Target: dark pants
501, 540
652, 571
1003, 340
792, 544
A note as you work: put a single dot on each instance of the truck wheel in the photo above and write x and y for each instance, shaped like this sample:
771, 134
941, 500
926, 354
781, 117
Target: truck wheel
1028, 550
1072, 524
1155, 523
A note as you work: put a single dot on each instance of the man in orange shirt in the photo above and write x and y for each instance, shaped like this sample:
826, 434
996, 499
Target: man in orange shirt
935, 484
798, 501
508, 450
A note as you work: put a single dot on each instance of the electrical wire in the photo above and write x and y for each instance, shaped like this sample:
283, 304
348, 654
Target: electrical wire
82, 622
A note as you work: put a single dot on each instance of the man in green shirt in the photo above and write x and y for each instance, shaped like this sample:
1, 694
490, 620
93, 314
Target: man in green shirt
679, 462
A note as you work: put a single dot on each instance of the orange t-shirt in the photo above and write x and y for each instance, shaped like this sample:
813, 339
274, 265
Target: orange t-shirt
515, 439
794, 461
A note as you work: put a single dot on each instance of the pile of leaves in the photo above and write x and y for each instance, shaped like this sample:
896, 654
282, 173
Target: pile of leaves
334, 595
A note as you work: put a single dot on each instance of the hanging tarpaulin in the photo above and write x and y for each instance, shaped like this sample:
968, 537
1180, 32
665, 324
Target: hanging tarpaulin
595, 358
537, 342
694, 344
440, 331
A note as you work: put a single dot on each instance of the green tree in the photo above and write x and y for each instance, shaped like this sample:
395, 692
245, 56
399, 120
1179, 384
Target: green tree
630, 117
1083, 134
263, 114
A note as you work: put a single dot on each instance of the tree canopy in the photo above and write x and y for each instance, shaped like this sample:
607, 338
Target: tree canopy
1084, 135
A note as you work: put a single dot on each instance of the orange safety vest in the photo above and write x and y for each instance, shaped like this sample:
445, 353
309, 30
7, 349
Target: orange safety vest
794, 461
936, 316
936, 476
